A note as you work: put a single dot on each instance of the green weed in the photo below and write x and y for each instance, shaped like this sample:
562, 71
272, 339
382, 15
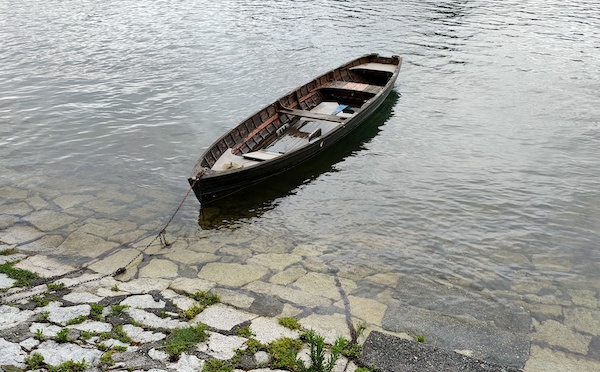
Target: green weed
34, 361
216, 365
78, 320
290, 323
69, 366
420, 339
62, 336
182, 339
23, 278
285, 352
244, 332
107, 360
96, 311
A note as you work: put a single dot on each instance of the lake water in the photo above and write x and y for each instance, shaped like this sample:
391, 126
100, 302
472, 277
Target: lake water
478, 182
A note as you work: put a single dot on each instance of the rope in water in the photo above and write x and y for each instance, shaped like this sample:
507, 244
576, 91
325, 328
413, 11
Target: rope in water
118, 271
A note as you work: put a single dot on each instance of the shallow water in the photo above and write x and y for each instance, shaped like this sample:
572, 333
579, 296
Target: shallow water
482, 172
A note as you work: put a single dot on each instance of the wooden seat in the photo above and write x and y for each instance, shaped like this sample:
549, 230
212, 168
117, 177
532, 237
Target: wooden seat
311, 115
347, 85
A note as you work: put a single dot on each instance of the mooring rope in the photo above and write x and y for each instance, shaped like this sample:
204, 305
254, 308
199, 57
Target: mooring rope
118, 271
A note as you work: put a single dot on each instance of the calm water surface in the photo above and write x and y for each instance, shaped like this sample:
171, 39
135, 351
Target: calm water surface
483, 170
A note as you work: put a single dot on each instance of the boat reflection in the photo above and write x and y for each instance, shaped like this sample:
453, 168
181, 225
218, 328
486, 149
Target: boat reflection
252, 202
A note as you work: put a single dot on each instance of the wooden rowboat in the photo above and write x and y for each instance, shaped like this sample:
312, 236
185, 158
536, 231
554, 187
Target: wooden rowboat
295, 128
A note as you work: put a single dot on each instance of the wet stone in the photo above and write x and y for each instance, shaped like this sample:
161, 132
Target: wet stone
544, 360
275, 261
83, 244
44, 244
288, 276
158, 268
266, 305
323, 285
370, 311
44, 266
49, 220
231, 274
17, 209
329, 326
583, 320
68, 201
20, 234
557, 334
234, 298
301, 298
10, 192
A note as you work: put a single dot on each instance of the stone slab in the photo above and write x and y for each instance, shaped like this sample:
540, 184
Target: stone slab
11, 354
388, 353
220, 346
158, 268
223, 317
143, 302
232, 274
55, 353
11, 316
44, 266
267, 330
139, 335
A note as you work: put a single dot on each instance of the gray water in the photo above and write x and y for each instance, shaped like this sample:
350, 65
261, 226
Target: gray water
483, 171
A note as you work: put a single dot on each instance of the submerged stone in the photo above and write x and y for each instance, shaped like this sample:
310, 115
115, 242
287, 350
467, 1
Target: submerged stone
232, 274
48, 220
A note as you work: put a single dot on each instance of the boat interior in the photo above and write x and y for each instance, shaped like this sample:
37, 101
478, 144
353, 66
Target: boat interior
301, 117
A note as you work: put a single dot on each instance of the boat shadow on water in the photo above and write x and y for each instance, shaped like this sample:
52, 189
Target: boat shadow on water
257, 199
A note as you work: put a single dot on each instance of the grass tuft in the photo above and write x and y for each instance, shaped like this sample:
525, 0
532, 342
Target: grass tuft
290, 323
183, 339
23, 278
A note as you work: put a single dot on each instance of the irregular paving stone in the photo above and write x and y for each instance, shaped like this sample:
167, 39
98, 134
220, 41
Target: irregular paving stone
11, 258
262, 357
182, 302
11, 354
300, 298
329, 326
139, 335
544, 360
232, 274
191, 257
48, 330
92, 326
144, 285
11, 192
266, 305
558, 334
154, 321
159, 269
221, 347
48, 220
105, 228
187, 363
29, 343
44, 244
387, 279
55, 353
143, 302
370, 311
62, 315
234, 298
19, 234
158, 355
82, 298
288, 276
104, 206
583, 320
83, 244
68, 201
6, 282
44, 266
223, 317
122, 257
11, 316
323, 285
275, 261
585, 298
17, 209
191, 285
267, 330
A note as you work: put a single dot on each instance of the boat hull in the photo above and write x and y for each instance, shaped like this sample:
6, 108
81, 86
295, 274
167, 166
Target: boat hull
210, 185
